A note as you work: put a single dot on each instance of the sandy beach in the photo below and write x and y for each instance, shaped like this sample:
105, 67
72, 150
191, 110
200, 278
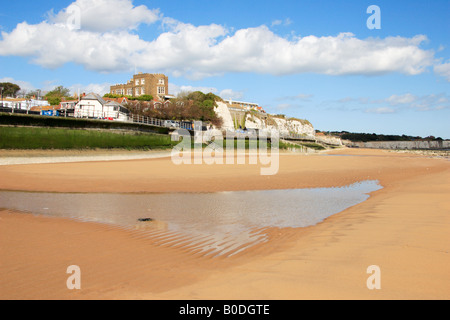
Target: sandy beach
402, 228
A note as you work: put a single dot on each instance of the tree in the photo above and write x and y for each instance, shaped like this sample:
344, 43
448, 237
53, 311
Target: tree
115, 96
208, 103
144, 97
187, 106
55, 96
34, 93
59, 91
9, 89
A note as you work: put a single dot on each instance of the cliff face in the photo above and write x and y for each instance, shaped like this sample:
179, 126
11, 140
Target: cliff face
330, 140
223, 112
288, 127
254, 120
402, 145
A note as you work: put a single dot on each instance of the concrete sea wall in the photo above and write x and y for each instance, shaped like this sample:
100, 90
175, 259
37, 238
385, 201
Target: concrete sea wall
403, 145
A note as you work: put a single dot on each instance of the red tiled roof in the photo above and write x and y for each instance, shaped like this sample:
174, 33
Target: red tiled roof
39, 108
119, 100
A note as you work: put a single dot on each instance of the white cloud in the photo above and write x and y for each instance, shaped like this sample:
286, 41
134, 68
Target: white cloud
276, 22
283, 106
398, 102
52, 46
106, 44
401, 99
443, 70
230, 94
196, 51
301, 96
285, 22
427, 102
24, 85
381, 110
99, 88
225, 93
176, 89
105, 15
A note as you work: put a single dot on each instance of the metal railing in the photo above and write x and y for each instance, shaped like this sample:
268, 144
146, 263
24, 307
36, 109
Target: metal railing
21, 111
136, 118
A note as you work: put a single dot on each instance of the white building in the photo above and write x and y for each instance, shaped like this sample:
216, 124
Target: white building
244, 105
93, 106
23, 104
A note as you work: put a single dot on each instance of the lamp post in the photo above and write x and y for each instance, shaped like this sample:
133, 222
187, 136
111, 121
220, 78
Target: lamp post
1, 91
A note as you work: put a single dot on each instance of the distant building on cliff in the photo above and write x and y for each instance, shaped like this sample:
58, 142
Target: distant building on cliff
156, 85
244, 105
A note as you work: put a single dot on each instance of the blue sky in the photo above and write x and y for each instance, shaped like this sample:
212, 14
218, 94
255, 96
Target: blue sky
316, 60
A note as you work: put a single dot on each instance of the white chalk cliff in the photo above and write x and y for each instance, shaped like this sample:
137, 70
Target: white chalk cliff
255, 120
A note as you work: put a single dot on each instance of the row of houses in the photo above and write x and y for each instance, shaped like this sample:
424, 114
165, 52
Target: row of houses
95, 106
89, 106
23, 104
243, 106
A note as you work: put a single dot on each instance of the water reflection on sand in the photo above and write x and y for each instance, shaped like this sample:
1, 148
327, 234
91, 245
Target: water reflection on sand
222, 223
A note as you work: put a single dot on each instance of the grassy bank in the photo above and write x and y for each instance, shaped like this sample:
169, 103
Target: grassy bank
29, 138
9, 119
301, 145
57, 138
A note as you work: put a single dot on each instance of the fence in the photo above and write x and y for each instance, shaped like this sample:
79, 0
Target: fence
188, 125
19, 111
135, 118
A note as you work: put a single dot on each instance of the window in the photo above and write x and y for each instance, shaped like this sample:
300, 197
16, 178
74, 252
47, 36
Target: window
142, 91
161, 81
161, 90
142, 81
137, 91
137, 82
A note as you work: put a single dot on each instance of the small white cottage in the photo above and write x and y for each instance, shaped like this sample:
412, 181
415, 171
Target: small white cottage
93, 106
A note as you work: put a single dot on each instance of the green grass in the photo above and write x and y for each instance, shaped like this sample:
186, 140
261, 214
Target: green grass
9, 119
57, 138
247, 144
315, 146
61, 138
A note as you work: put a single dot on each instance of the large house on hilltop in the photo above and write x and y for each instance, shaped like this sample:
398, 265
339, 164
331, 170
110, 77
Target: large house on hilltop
95, 107
156, 85
244, 105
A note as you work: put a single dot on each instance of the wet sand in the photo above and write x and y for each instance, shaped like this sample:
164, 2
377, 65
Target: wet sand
402, 228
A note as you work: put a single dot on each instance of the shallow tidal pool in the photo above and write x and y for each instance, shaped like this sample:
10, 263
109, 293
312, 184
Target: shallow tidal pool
222, 223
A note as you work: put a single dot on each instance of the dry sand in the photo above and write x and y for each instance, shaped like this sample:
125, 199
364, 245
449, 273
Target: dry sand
403, 229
